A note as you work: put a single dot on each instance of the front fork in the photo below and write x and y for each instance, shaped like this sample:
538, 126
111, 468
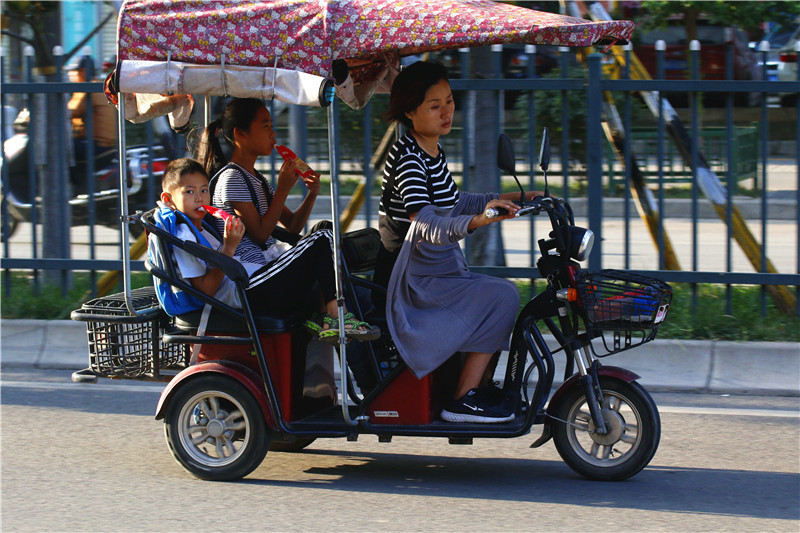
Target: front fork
591, 389
587, 368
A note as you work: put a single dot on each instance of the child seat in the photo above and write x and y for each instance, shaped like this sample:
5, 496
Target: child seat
223, 317
239, 335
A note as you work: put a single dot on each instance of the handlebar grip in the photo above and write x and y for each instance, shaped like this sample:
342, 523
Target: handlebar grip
493, 212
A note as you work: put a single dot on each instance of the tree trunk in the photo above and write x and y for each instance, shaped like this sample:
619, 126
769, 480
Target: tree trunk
485, 246
54, 183
690, 19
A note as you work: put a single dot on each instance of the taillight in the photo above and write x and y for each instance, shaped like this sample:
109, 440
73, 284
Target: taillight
159, 165
788, 58
519, 61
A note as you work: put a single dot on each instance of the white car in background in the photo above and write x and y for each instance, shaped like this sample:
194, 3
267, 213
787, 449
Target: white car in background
787, 71
784, 44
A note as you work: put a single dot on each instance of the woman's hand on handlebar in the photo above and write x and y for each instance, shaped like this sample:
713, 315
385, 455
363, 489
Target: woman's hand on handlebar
506, 208
529, 195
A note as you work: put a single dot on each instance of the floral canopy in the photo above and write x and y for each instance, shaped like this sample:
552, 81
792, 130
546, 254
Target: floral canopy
306, 37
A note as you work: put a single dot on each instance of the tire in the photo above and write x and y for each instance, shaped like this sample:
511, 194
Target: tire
12, 224
788, 100
234, 438
630, 445
8, 226
294, 446
135, 230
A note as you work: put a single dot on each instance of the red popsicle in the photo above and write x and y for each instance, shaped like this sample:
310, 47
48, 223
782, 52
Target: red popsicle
217, 212
302, 169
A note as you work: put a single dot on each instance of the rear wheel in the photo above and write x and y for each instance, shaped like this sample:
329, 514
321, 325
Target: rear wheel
215, 429
634, 426
788, 100
8, 226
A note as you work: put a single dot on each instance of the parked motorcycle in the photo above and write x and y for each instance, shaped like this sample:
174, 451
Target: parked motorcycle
18, 191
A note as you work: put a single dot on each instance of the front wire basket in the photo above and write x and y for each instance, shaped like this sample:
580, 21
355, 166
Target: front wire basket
622, 310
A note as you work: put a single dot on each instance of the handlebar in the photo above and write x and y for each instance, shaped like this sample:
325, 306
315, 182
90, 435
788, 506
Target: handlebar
534, 207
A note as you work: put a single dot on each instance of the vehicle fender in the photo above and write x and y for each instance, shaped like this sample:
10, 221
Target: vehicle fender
251, 380
606, 371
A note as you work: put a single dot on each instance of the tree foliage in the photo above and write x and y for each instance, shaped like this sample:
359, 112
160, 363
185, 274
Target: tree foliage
746, 15
37, 17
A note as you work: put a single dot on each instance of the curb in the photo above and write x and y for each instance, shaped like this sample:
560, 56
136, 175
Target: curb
771, 368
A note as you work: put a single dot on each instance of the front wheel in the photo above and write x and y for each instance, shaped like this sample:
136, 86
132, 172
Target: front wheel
215, 429
634, 430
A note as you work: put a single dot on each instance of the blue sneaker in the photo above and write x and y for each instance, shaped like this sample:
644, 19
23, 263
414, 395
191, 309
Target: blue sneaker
505, 400
473, 407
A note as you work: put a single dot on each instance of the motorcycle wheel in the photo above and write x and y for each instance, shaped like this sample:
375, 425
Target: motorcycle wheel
294, 446
135, 230
8, 227
215, 429
634, 431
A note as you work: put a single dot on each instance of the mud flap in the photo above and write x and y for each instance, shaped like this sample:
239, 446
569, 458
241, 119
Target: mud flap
544, 437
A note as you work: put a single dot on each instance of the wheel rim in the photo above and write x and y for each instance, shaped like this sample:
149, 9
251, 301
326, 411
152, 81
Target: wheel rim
623, 421
213, 428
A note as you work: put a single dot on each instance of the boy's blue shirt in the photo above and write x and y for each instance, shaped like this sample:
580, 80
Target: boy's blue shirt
173, 301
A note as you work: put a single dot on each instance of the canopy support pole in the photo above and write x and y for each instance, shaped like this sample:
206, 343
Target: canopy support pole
123, 207
334, 171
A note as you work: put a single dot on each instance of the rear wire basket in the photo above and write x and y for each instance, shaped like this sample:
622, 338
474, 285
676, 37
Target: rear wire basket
622, 310
122, 345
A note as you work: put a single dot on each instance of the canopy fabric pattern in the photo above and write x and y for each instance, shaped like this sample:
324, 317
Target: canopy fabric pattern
309, 35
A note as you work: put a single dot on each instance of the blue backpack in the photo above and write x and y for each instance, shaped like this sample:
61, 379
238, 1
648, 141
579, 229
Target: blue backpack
173, 300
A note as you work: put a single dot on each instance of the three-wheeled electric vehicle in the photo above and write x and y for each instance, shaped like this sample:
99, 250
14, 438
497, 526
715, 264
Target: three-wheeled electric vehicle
241, 384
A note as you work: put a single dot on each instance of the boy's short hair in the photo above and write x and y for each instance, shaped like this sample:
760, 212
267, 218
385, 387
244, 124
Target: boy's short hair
177, 169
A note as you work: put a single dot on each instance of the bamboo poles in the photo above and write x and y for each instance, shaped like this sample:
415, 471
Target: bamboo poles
710, 184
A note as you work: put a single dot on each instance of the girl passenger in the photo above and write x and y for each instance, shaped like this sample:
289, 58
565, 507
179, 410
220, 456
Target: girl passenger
278, 276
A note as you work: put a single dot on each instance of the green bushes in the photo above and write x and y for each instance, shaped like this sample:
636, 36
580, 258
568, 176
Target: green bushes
705, 320
708, 320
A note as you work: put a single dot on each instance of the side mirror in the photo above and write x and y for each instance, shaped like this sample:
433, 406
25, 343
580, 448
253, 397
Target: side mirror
544, 151
505, 155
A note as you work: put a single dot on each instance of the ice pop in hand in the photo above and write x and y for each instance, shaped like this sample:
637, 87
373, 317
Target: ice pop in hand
302, 169
217, 212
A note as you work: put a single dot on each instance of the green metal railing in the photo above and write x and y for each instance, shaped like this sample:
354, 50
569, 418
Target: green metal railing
714, 143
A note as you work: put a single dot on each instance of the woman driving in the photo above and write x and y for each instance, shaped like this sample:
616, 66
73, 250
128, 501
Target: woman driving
435, 305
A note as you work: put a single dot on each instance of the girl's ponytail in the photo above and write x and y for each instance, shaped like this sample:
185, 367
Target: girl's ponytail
238, 113
209, 150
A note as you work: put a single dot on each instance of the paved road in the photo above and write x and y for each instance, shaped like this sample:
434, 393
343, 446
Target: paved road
80, 457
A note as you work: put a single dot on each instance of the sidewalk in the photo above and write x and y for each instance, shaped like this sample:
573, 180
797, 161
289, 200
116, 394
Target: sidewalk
717, 367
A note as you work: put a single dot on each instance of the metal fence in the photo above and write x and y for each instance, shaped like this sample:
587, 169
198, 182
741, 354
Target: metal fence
741, 152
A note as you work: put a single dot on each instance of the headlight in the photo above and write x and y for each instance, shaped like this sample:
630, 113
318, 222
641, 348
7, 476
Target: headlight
581, 242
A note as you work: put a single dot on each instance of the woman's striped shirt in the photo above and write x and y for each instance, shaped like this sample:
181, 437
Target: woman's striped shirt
419, 180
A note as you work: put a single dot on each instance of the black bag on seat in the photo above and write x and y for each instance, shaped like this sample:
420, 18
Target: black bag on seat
360, 249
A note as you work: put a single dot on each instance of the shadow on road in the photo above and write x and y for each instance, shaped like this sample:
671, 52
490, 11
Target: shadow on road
742, 493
